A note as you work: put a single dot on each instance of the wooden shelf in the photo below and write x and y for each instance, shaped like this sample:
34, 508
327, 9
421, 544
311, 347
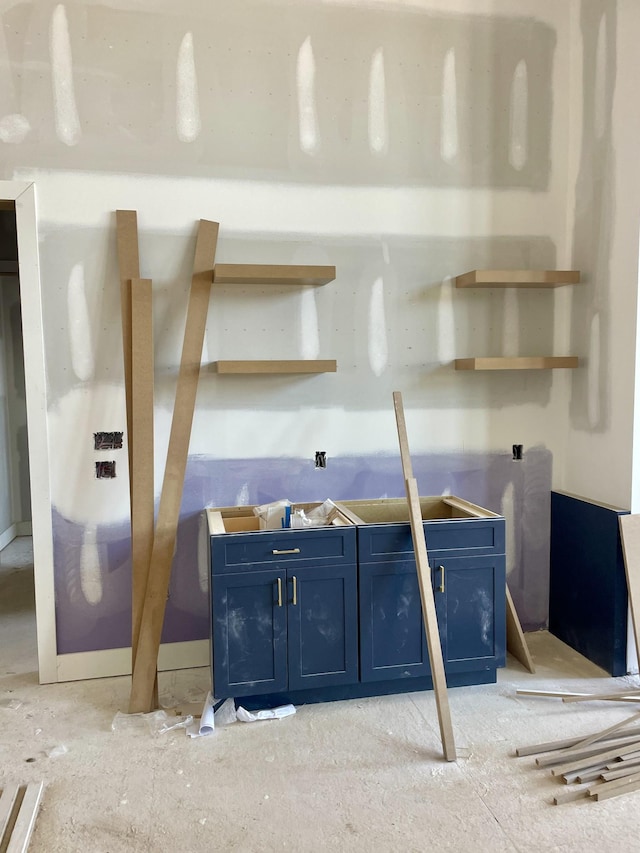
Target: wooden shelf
271, 366
521, 363
518, 278
272, 274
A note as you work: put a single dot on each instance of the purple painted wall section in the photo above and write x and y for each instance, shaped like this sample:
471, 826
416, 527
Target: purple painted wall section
481, 478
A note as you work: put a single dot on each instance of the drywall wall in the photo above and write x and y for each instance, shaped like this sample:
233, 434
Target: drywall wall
404, 143
6, 514
598, 458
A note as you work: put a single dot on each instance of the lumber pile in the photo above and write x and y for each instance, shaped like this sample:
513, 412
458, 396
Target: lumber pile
598, 766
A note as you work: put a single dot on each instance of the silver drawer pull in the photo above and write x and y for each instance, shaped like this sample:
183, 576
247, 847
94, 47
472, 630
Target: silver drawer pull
286, 551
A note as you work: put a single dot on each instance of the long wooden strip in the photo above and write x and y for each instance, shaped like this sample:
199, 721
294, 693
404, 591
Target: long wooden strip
516, 640
141, 447
623, 769
23, 827
426, 590
7, 802
594, 738
561, 694
605, 787
171, 495
573, 754
575, 775
129, 266
630, 536
570, 796
628, 695
617, 792
581, 764
552, 745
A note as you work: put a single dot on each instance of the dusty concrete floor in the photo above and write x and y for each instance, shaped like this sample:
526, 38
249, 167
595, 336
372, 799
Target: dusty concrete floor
365, 775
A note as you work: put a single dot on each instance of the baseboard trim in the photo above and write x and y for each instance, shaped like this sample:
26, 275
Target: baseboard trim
111, 662
8, 536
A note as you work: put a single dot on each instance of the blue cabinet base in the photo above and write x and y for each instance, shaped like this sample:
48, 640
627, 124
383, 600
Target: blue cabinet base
362, 690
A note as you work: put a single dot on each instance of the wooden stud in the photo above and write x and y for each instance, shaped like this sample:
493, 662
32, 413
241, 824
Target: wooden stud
629, 788
516, 640
573, 754
274, 366
607, 787
594, 738
516, 363
624, 768
583, 763
171, 496
26, 819
141, 447
426, 590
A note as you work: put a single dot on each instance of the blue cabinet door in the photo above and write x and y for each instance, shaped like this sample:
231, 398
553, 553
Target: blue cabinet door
322, 614
249, 633
392, 638
471, 605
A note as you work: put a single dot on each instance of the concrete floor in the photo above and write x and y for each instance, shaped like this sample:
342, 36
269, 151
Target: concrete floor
364, 775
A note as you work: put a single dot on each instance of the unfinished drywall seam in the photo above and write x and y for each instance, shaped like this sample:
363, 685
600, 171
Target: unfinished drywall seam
64, 100
449, 123
187, 102
308, 132
377, 123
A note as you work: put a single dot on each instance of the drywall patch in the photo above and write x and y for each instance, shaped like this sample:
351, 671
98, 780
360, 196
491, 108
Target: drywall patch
377, 124
378, 346
14, 128
519, 117
80, 331
309, 331
449, 121
307, 116
64, 99
187, 103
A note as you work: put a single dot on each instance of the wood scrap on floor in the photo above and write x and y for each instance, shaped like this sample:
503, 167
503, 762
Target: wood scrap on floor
516, 640
426, 592
18, 812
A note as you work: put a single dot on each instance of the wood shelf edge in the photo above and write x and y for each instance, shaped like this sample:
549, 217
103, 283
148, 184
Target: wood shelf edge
285, 274
270, 366
518, 278
517, 363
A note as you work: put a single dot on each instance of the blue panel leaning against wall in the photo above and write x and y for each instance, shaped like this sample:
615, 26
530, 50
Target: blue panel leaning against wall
588, 588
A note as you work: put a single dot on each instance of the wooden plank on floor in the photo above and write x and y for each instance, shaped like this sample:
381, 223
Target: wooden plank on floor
584, 763
426, 590
572, 754
141, 447
516, 640
26, 820
7, 802
618, 792
552, 745
171, 495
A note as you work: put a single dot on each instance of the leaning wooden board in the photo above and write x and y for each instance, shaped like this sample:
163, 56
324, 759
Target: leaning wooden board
171, 495
426, 591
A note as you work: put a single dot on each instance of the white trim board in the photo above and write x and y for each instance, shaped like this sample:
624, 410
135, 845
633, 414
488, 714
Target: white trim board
24, 196
8, 536
111, 662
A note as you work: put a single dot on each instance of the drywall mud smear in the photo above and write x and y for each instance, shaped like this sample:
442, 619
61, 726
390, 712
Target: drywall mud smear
64, 99
446, 328
600, 85
519, 117
510, 323
309, 333
187, 105
90, 571
378, 346
449, 125
378, 137
14, 128
507, 510
80, 331
593, 372
307, 116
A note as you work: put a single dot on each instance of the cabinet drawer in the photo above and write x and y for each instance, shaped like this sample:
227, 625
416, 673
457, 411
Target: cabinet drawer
260, 549
379, 542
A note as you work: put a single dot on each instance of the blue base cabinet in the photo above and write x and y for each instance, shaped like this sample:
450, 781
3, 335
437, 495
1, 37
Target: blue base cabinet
335, 612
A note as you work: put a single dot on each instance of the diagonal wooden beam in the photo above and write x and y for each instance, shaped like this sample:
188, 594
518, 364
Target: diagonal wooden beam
171, 496
426, 590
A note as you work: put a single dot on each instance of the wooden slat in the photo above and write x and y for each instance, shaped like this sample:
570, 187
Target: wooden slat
597, 736
516, 640
604, 788
618, 792
273, 274
516, 363
171, 495
7, 802
629, 695
553, 745
426, 590
518, 278
566, 697
577, 752
630, 536
25, 822
274, 366
582, 763
623, 769
570, 796
141, 446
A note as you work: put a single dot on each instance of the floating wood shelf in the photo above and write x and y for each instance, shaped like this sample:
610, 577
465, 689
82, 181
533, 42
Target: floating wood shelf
272, 274
518, 278
520, 363
271, 366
